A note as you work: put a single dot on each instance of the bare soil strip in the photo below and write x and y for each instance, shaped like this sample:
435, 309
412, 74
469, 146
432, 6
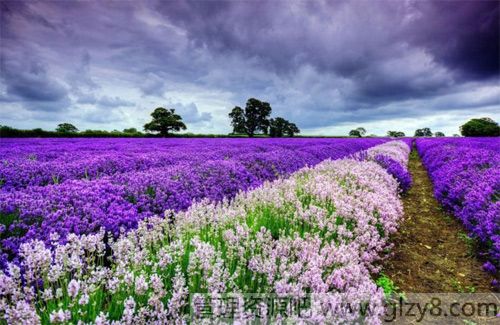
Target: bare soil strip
432, 253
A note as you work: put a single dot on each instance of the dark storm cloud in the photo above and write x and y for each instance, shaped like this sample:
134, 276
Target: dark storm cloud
463, 35
28, 80
352, 39
317, 62
12, 8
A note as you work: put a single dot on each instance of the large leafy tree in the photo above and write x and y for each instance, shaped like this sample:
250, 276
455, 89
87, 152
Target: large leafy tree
361, 130
237, 117
66, 128
257, 116
164, 121
355, 133
480, 127
358, 132
279, 127
291, 129
425, 132
253, 119
439, 134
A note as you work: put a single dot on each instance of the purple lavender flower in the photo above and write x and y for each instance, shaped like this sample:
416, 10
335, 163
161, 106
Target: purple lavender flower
80, 185
489, 267
400, 173
466, 177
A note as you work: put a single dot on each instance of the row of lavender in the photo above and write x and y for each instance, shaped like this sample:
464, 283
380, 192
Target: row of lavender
54, 161
318, 232
185, 172
466, 177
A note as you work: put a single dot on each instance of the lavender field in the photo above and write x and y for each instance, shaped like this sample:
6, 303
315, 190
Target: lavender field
249, 162
78, 186
466, 177
149, 230
98, 227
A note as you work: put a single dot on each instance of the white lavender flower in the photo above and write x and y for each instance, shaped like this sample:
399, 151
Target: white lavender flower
73, 288
59, 317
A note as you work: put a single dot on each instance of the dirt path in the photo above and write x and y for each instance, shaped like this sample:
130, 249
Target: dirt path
432, 252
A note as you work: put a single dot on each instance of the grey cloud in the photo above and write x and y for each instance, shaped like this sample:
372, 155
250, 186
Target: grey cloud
462, 35
345, 37
103, 101
153, 85
80, 78
31, 82
190, 113
106, 101
318, 63
87, 98
96, 115
27, 81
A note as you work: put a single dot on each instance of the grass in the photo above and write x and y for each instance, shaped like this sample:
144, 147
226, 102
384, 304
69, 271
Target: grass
460, 288
470, 242
7, 220
389, 287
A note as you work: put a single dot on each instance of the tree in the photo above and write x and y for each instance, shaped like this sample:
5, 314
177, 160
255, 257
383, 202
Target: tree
279, 127
355, 133
66, 128
292, 129
237, 117
257, 116
358, 132
395, 134
480, 127
130, 130
164, 121
361, 130
439, 134
425, 132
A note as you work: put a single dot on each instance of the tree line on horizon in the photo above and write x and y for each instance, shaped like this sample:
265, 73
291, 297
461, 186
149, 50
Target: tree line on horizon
252, 121
476, 127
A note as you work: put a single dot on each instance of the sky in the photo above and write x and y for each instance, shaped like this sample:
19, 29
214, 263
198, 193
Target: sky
328, 66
